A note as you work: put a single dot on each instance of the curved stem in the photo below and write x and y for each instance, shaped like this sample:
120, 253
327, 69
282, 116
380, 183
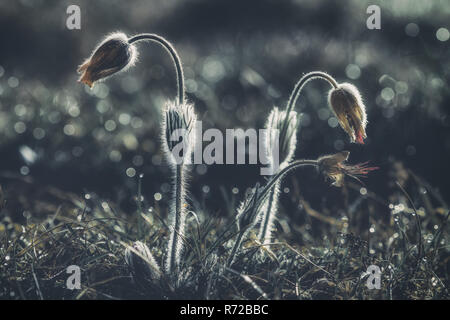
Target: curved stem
262, 195
173, 53
267, 217
301, 83
292, 166
298, 88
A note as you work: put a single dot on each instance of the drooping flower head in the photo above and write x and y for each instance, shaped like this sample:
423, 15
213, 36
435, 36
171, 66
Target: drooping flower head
349, 109
112, 55
334, 168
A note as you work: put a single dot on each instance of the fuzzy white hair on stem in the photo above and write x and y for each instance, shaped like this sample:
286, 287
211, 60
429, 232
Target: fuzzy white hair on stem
178, 140
141, 262
286, 142
117, 53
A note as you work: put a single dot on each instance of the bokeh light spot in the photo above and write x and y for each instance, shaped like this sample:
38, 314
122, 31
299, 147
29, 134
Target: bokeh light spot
131, 172
353, 71
387, 94
442, 34
412, 29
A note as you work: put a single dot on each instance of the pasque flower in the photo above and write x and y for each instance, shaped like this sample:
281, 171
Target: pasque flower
347, 105
334, 167
112, 55
344, 100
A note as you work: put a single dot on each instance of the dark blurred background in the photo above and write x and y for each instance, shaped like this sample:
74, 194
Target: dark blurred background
241, 58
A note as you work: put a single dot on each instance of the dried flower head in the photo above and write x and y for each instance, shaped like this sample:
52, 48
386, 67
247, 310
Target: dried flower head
347, 105
287, 138
179, 131
334, 167
112, 55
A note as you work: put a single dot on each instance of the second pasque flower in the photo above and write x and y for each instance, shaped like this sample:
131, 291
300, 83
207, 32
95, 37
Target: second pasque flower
112, 55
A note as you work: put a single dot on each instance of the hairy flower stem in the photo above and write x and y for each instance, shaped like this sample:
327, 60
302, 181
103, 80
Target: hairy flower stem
298, 88
301, 83
178, 205
268, 216
292, 166
263, 193
173, 53
178, 216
